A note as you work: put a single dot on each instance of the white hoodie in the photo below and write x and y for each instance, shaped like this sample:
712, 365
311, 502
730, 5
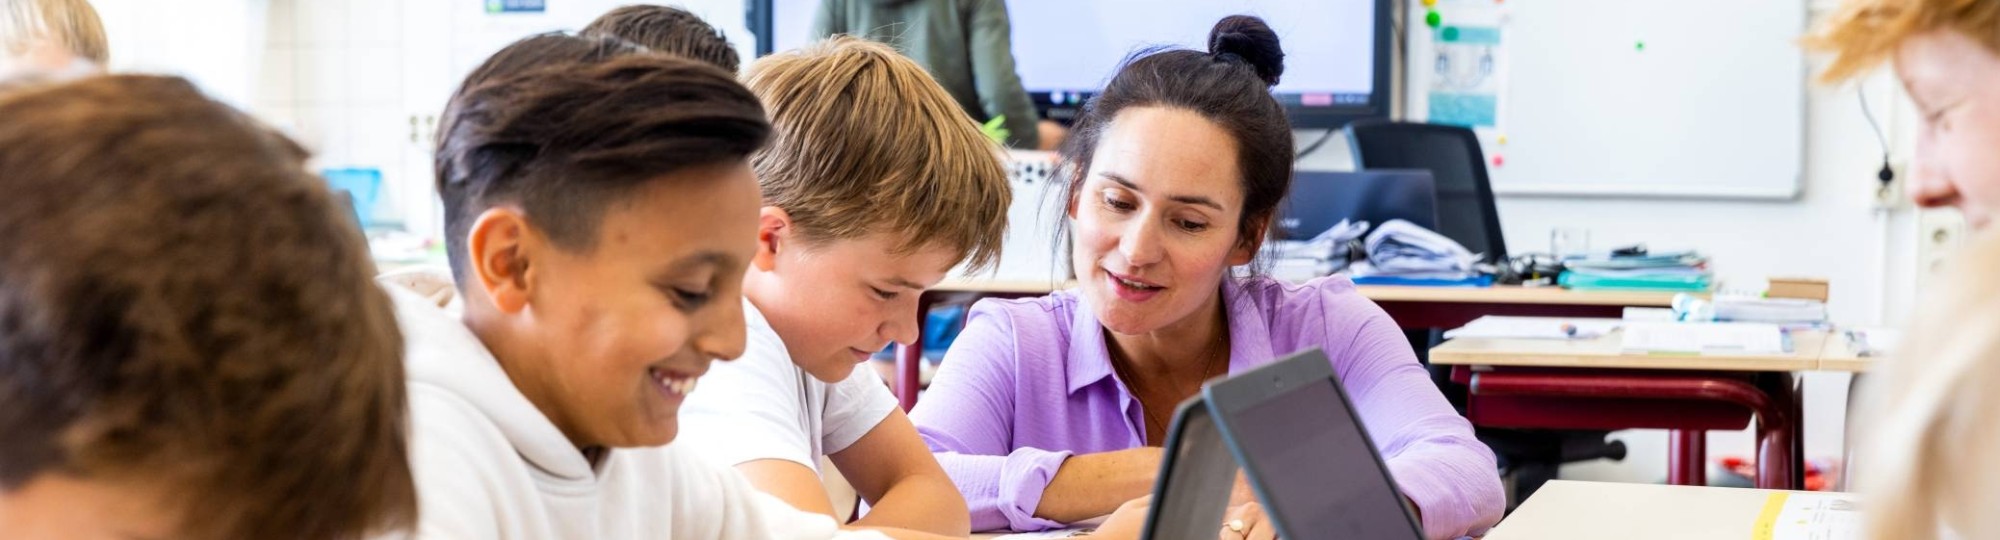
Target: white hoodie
488, 464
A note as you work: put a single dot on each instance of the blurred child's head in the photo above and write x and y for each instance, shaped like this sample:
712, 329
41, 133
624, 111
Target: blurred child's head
31, 28
600, 214
668, 30
1932, 415
875, 185
191, 345
1947, 53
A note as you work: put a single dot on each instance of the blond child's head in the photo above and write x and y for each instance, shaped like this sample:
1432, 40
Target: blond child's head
33, 27
1947, 53
875, 185
1925, 450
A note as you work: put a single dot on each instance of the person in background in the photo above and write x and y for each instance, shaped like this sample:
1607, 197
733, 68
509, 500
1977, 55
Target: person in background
190, 343
50, 40
668, 30
967, 45
875, 187
1922, 460
1051, 410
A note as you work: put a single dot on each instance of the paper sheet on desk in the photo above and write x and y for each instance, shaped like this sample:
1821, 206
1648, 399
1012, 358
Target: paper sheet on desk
1704, 338
1495, 327
1809, 516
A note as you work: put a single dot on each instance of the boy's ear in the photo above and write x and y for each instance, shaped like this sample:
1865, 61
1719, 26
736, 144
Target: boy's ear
774, 232
499, 259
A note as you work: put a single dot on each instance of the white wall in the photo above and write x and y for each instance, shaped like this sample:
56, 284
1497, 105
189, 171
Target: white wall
211, 42
362, 82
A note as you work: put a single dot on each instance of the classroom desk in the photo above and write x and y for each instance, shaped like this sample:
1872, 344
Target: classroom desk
1565, 509
1452, 307
1411, 307
1839, 356
1591, 384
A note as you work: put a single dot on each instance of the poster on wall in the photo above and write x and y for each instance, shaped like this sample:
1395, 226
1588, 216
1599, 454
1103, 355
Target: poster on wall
1467, 75
1465, 86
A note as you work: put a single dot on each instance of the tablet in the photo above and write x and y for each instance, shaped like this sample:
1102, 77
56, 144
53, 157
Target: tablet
1307, 455
1197, 472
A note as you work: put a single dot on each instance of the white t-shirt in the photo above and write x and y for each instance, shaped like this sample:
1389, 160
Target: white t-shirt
762, 406
489, 465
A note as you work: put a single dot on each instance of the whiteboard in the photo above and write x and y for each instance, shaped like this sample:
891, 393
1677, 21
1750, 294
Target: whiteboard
1646, 98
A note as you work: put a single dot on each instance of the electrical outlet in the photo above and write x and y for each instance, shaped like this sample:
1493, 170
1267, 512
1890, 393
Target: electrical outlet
1890, 196
1940, 232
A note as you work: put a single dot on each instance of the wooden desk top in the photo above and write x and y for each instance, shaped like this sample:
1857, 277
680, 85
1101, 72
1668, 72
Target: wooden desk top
1499, 294
1016, 286
1515, 294
1605, 352
1838, 356
1568, 509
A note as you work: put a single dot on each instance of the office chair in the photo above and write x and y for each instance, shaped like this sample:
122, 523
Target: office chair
1465, 196
1467, 214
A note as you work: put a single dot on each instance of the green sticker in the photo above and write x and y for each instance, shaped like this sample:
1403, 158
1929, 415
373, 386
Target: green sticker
1432, 19
1451, 33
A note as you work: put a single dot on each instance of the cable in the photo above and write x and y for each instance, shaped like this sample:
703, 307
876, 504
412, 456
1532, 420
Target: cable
1310, 148
1887, 174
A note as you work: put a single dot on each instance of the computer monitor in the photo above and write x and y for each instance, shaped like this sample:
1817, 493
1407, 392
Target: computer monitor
1336, 51
1320, 200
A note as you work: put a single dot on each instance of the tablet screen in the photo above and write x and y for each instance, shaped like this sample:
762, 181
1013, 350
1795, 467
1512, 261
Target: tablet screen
1317, 470
1192, 492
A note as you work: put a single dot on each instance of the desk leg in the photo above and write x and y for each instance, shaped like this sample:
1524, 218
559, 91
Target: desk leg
1686, 457
1775, 407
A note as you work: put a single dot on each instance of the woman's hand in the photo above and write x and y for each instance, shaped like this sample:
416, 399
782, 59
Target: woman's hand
1246, 522
1127, 522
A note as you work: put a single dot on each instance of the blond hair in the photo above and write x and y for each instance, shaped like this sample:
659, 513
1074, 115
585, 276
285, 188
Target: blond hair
1865, 33
1934, 413
70, 23
866, 142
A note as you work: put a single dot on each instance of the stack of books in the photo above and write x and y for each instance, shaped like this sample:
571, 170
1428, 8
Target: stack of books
1685, 271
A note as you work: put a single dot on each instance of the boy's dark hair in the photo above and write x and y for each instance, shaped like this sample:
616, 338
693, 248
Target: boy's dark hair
668, 30
564, 135
183, 305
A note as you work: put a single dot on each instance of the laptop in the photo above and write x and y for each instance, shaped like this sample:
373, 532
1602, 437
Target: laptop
1307, 454
1320, 200
1292, 430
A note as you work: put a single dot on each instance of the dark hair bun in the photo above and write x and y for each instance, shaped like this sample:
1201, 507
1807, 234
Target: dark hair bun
1247, 38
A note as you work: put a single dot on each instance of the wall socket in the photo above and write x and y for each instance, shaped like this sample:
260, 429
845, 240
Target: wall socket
1940, 232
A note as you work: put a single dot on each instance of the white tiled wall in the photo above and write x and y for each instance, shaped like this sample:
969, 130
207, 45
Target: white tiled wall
361, 82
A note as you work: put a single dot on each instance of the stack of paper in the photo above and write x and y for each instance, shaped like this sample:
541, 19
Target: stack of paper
1676, 271
1770, 310
1498, 327
1300, 260
1400, 252
1704, 338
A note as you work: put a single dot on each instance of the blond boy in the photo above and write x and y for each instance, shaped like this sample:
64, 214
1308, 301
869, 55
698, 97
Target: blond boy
875, 186
50, 38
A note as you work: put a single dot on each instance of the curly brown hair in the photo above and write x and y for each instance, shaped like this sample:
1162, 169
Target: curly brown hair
182, 304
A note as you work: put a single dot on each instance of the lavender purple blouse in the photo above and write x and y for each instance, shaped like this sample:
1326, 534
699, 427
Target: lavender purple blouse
1029, 383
